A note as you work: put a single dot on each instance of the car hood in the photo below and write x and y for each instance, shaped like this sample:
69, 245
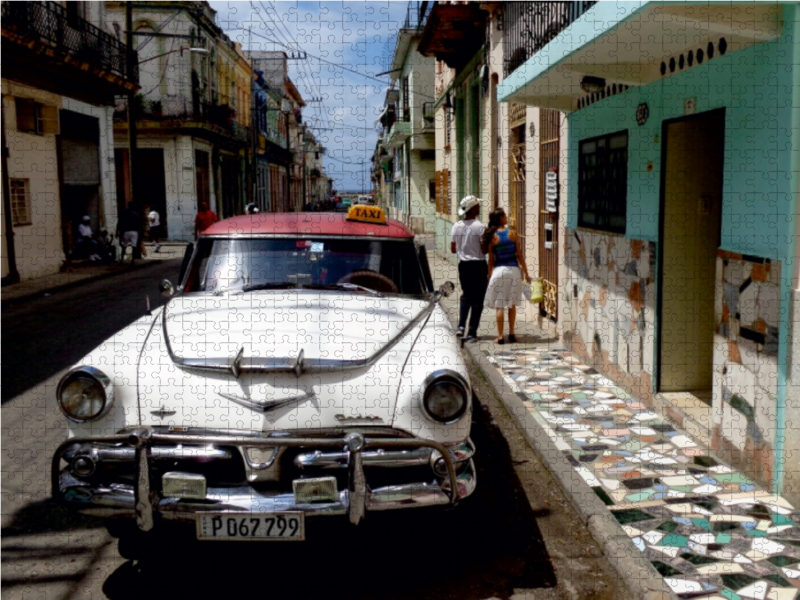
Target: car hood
186, 374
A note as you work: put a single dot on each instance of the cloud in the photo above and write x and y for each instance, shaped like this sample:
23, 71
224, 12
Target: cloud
350, 34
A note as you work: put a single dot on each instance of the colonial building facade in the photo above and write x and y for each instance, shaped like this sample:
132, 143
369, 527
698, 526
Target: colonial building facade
62, 68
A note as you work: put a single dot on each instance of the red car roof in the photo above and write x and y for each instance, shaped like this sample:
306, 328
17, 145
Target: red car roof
305, 224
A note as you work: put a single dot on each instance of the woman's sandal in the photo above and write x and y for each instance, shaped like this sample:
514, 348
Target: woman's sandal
499, 340
512, 339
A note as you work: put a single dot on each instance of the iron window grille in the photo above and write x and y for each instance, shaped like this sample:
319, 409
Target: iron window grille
20, 202
603, 182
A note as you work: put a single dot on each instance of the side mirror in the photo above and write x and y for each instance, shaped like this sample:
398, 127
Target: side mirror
167, 289
446, 289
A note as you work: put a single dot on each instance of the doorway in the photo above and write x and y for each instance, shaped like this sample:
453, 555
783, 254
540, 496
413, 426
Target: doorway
690, 223
151, 185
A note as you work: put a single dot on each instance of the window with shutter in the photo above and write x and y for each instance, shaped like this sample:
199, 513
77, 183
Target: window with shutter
438, 191
20, 202
26, 114
446, 192
33, 117
47, 119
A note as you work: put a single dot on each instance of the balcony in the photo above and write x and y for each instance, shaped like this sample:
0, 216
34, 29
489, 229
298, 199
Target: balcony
398, 134
531, 25
454, 32
170, 115
417, 14
613, 46
46, 46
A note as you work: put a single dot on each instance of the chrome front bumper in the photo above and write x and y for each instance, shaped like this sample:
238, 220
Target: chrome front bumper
143, 502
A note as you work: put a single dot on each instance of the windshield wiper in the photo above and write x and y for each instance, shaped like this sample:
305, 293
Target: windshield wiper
277, 285
342, 286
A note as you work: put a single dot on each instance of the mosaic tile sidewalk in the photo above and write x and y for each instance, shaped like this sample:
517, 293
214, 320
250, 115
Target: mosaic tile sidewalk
710, 531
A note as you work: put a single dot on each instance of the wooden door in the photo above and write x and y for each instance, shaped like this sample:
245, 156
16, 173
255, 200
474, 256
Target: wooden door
691, 218
550, 146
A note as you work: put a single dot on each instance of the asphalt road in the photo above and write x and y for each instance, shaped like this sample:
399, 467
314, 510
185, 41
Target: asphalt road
516, 537
47, 334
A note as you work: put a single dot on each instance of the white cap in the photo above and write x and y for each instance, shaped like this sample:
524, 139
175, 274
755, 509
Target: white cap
467, 203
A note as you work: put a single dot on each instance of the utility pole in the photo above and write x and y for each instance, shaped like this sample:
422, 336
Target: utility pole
253, 130
131, 56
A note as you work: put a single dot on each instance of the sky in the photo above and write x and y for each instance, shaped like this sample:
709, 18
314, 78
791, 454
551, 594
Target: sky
345, 44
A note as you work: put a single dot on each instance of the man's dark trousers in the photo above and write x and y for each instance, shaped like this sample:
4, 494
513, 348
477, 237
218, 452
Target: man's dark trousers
473, 276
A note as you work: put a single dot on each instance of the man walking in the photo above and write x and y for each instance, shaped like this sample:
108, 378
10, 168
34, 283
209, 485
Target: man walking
128, 227
465, 240
205, 218
155, 228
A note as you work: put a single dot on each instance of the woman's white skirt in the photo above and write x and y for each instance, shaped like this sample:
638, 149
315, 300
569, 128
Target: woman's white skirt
505, 288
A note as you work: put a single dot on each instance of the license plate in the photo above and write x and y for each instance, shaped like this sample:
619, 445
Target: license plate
288, 526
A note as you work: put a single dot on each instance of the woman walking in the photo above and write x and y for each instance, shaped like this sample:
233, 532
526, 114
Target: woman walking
506, 266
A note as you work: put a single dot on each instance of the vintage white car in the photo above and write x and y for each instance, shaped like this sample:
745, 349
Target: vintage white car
302, 368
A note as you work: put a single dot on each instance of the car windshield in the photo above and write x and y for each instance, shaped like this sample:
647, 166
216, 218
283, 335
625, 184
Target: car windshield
384, 266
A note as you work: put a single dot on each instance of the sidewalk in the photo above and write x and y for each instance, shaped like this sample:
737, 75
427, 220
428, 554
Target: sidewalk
670, 518
84, 273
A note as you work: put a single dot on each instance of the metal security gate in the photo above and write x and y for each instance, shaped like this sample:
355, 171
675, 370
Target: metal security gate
549, 121
516, 219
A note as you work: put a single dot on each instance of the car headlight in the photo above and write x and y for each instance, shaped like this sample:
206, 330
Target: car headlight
85, 394
446, 396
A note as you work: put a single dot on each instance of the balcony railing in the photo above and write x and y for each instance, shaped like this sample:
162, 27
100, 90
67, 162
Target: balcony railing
51, 24
531, 25
417, 14
221, 115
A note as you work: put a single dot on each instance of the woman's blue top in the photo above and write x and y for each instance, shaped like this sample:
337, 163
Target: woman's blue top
505, 251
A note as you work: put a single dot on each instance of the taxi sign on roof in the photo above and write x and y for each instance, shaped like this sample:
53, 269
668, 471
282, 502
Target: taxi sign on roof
367, 214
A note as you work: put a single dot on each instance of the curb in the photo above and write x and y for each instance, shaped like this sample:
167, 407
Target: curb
633, 568
73, 284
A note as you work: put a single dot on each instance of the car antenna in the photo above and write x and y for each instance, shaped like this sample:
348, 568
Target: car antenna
147, 303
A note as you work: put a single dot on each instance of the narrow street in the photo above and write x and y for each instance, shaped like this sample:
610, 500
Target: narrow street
516, 537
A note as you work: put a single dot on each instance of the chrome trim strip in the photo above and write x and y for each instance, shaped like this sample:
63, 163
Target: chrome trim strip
240, 364
102, 453
266, 405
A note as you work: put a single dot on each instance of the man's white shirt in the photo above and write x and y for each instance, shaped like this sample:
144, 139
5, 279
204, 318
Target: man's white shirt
467, 236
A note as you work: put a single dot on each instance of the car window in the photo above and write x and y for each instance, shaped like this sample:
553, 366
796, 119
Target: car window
237, 264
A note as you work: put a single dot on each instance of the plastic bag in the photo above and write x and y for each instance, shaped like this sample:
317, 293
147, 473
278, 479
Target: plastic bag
526, 291
537, 291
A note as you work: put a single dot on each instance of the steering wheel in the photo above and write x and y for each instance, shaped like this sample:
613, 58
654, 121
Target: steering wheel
370, 279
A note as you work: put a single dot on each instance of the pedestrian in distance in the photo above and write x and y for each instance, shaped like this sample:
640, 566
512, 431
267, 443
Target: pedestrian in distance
205, 218
128, 227
465, 241
155, 228
251, 209
506, 268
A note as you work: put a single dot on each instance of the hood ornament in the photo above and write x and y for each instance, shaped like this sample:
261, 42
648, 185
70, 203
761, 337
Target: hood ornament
265, 406
298, 363
163, 412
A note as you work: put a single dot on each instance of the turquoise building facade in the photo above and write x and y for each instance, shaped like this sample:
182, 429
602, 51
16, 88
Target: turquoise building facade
682, 213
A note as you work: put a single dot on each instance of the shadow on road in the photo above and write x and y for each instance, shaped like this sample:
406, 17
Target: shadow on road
486, 547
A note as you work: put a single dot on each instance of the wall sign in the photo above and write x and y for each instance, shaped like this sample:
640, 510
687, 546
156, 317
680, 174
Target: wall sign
642, 113
551, 190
